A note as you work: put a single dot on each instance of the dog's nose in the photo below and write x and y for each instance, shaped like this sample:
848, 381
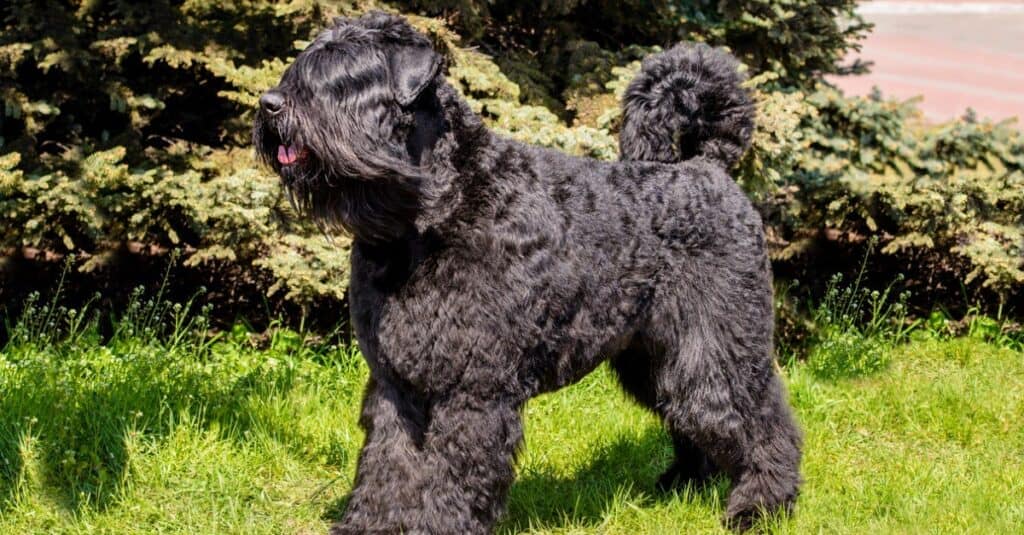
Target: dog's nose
272, 102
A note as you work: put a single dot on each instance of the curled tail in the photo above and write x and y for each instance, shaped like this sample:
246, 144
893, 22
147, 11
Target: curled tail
687, 102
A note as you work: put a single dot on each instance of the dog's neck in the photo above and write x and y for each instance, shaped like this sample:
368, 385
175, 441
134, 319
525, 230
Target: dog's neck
449, 162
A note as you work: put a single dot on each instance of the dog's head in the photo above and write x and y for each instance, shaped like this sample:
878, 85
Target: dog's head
348, 114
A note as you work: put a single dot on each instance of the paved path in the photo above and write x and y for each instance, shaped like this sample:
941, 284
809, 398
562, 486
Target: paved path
954, 54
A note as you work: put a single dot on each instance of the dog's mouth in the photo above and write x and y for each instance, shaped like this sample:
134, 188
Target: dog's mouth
291, 153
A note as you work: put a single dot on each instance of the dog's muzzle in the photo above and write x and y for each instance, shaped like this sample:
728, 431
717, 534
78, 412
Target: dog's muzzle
272, 103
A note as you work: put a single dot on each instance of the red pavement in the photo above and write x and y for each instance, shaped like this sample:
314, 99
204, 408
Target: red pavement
954, 54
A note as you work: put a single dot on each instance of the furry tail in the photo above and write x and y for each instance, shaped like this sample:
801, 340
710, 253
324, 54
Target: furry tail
687, 102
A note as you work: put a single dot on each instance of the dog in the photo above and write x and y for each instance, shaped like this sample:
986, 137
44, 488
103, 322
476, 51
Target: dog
485, 271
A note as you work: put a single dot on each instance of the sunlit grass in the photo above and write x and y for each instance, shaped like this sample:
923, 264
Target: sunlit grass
135, 435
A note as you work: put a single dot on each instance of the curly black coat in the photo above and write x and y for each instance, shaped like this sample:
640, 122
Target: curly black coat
486, 271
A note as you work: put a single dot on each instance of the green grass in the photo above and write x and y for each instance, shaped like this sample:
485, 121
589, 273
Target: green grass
199, 436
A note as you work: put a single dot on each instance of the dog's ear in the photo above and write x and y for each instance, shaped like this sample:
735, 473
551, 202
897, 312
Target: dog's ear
412, 68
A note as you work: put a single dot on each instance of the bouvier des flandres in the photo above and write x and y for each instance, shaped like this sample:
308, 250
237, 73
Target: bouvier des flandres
486, 271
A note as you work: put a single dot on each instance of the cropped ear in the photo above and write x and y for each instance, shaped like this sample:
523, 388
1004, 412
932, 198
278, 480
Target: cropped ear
412, 68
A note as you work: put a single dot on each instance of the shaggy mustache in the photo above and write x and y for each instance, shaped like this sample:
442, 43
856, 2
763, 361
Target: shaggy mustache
335, 180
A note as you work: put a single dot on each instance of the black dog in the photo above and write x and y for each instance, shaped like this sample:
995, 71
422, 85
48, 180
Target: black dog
486, 271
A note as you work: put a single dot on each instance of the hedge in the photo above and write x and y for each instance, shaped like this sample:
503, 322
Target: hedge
125, 135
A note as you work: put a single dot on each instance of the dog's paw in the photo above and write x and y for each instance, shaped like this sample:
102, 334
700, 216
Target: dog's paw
743, 522
680, 474
757, 497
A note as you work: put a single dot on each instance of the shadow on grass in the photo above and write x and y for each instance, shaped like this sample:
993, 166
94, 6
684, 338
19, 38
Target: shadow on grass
80, 436
336, 509
625, 470
81, 411
10, 468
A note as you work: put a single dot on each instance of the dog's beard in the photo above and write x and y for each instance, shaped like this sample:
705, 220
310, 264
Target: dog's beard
279, 145
371, 210
350, 194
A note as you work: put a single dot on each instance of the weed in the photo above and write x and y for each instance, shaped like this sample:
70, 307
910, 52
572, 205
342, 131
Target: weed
856, 326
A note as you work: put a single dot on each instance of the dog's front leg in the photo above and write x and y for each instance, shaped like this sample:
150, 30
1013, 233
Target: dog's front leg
447, 474
388, 486
470, 444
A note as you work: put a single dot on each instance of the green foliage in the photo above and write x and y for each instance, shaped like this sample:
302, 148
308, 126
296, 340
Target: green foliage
497, 98
997, 330
131, 132
235, 214
945, 200
798, 40
855, 328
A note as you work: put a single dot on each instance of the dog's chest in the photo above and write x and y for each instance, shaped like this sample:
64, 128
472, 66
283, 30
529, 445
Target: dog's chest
429, 326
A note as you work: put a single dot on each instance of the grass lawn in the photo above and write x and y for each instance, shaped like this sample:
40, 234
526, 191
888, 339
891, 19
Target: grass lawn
191, 436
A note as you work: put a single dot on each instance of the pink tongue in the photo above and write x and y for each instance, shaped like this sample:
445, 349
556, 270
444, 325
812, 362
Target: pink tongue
287, 155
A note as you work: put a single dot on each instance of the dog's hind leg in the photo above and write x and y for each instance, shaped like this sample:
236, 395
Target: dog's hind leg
767, 478
638, 370
720, 389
